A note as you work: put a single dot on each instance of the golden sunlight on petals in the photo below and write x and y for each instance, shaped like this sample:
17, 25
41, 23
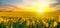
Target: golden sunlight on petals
55, 24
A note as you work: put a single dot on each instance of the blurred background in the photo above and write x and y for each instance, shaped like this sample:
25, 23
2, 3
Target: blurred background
29, 13
30, 5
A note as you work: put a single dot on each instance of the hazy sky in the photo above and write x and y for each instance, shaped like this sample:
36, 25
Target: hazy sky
22, 2
26, 4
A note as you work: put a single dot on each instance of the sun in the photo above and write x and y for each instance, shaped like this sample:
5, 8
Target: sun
40, 10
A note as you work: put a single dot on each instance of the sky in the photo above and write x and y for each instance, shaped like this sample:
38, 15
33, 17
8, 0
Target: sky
26, 3
22, 2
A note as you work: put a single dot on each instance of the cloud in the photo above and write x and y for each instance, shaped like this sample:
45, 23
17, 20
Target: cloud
25, 4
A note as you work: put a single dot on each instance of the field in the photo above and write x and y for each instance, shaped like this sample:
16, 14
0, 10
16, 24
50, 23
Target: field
29, 20
29, 14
